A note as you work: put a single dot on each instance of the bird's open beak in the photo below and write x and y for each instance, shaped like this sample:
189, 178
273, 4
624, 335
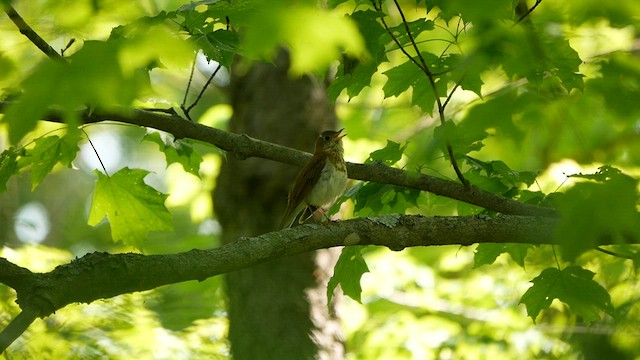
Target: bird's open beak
339, 134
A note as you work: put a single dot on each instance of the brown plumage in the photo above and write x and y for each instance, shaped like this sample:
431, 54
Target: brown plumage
321, 181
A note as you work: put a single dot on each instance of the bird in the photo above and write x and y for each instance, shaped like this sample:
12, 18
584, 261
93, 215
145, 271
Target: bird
320, 181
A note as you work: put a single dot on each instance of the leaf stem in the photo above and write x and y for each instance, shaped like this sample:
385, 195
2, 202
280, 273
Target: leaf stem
96, 152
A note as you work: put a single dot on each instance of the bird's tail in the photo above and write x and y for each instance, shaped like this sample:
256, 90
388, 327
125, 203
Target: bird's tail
291, 215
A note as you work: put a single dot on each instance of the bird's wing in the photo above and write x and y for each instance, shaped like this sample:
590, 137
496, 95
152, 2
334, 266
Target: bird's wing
305, 181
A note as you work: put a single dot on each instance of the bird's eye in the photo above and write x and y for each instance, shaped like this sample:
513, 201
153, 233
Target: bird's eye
327, 137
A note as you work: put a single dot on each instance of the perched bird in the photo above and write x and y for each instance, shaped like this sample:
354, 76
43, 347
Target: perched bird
321, 181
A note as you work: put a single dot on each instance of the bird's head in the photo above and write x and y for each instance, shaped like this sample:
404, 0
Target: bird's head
330, 141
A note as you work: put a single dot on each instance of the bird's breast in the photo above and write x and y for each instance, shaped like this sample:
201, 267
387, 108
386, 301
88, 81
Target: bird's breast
330, 185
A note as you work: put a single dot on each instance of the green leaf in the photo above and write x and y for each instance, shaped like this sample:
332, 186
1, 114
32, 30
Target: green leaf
220, 45
574, 286
473, 10
409, 75
314, 37
495, 113
347, 273
499, 170
388, 155
487, 253
133, 208
374, 199
180, 151
462, 140
92, 76
593, 211
8, 166
355, 75
416, 27
604, 173
423, 94
400, 78
47, 152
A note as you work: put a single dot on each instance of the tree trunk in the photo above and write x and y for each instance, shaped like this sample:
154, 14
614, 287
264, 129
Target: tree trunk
277, 310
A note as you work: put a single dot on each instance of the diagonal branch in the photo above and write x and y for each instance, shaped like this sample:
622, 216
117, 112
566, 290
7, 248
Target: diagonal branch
529, 11
243, 146
27, 31
101, 275
16, 327
422, 64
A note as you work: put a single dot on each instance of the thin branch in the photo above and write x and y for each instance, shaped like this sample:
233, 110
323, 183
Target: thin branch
446, 102
422, 64
186, 91
27, 31
187, 110
206, 85
96, 152
242, 146
613, 253
71, 42
400, 46
17, 327
529, 11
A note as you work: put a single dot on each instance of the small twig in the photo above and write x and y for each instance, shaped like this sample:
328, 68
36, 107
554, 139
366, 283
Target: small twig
404, 51
186, 91
555, 257
96, 151
67, 47
422, 64
195, 102
27, 31
446, 102
529, 11
17, 327
613, 253
185, 109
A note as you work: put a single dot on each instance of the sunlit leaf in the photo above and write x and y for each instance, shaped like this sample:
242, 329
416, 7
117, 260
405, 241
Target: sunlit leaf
219, 45
499, 170
8, 167
47, 152
315, 38
604, 173
462, 140
132, 207
347, 273
487, 253
388, 155
572, 285
496, 113
180, 151
92, 76
357, 76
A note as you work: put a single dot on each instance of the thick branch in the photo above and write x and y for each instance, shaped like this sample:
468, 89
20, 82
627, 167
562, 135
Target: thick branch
243, 146
102, 275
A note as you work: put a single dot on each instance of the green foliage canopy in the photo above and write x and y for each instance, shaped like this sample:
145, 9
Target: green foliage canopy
506, 95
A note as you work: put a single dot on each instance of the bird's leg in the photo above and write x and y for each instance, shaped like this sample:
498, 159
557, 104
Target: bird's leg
325, 215
312, 210
303, 217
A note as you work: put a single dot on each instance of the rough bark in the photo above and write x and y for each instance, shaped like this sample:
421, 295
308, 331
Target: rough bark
277, 310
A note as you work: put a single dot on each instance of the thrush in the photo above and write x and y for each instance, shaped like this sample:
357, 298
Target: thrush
320, 181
